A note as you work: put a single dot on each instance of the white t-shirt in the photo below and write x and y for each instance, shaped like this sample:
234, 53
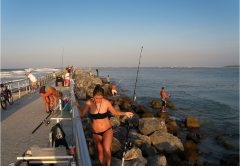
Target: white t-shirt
67, 76
32, 77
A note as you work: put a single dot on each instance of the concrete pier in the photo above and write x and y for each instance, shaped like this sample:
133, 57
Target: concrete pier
20, 119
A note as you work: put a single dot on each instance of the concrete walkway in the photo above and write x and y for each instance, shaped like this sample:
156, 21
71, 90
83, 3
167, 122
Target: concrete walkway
20, 119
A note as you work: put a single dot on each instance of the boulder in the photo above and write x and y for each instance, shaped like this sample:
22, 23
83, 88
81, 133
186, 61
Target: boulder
119, 103
118, 162
124, 90
126, 106
178, 135
116, 145
141, 110
192, 122
107, 89
90, 93
172, 127
147, 114
165, 142
148, 150
86, 124
135, 153
149, 125
81, 95
190, 155
93, 151
126, 99
169, 104
173, 108
156, 104
190, 144
96, 82
219, 137
226, 145
136, 136
200, 136
120, 99
158, 160
120, 133
192, 137
174, 160
114, 121
163, 115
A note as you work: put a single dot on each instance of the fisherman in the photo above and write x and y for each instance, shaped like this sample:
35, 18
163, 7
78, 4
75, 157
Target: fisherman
114, 89
54, 75
108, 79
33, 80
47, 93
97, 71
101, 127
164, 97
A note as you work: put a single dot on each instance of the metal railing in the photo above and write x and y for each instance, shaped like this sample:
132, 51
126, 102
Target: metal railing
82, 155
24, 84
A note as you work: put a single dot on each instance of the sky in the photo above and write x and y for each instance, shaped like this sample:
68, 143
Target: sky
111, 33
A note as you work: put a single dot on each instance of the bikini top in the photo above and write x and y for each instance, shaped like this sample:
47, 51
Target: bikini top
98, 115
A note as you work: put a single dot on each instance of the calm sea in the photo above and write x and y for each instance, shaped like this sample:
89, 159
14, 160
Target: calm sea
212, 95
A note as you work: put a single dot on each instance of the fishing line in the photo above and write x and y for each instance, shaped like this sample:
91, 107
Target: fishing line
120, 81
176, 86
134, 98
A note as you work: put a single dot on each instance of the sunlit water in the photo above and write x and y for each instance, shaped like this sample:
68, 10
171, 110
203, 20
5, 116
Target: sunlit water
212, 95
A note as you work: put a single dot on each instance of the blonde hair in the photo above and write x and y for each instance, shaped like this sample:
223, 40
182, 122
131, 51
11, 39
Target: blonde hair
59, 94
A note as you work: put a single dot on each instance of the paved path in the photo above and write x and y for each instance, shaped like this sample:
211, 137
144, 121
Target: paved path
20, 119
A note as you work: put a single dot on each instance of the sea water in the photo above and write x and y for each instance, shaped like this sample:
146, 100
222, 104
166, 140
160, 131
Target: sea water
210, 94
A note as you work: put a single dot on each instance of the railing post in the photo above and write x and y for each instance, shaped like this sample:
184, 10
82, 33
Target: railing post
19, 90
26, 86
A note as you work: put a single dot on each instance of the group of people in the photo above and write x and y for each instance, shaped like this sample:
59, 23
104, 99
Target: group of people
66, 76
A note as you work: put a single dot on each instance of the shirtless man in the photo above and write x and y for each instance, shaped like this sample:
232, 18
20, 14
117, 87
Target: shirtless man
164, 97
114, 89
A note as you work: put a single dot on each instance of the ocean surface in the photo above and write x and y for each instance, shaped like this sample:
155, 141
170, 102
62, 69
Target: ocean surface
212, 95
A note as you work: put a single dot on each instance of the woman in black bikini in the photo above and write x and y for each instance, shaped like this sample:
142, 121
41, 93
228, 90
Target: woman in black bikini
102, 128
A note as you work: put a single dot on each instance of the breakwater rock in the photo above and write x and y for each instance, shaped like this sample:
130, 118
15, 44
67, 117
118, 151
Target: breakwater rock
152, 138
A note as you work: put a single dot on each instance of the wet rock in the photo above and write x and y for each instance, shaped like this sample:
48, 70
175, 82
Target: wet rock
173, 108
190, 144
174, 160
134, 136
156, 104
192, 137
149, 125
169, 104
148, 114
219, 137
124, 90
190, 155
200, 136
192, 122
163, 115
165, 142
181, 108
226, 145
126, 99
158, 160
230, 160
135, 153
114, 121
126, 106
178, 135
141, 110
120, 99
148, 150
172, 127
116, 145
119, 103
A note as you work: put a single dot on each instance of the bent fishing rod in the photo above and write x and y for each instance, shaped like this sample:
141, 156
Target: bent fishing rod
120, 81
134, 98
176, 87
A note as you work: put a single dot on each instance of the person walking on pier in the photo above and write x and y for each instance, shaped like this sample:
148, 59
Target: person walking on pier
101, 126
33, 79
164, 97
47, 93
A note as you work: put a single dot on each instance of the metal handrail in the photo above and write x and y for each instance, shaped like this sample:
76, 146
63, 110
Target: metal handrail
82, 154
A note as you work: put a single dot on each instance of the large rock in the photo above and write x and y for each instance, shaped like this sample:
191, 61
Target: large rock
126, 106
141, 110
156, 104
86, 124
190, 144
148, 114
92, 149
114, 121
116, 145
90, 93
118, 162
149, 125
174, 160
169, 104
107, 89
135, 153
192, 137
230, 160
81, 95
165, 142
148, 150
120, 133
158, 160
190, 155
192, 122
134, 136
163, 115
127, 99
226, 145
172, 127
119, 103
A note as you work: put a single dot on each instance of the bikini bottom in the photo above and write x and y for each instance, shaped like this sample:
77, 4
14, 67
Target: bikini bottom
101, 133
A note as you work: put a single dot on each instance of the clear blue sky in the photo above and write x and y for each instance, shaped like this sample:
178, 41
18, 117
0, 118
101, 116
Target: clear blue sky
110, 33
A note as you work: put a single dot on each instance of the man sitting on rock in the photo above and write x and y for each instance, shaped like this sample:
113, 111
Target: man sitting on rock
114, 89
164, 97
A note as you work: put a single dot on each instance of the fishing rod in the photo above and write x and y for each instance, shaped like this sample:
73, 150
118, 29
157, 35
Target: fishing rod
120, 81
176, 87
134, 98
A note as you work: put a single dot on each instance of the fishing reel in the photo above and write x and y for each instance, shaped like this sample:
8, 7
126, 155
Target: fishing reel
48, 122
129, 145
